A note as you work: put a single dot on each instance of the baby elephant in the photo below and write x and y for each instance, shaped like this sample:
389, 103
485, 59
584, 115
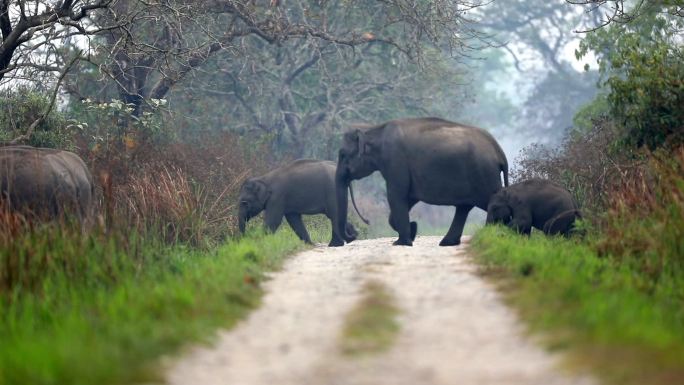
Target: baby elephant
535, 203
304, 186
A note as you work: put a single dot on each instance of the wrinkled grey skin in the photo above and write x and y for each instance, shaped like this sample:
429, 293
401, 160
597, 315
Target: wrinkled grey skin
304, 186
535, 203
46, 182
423, 159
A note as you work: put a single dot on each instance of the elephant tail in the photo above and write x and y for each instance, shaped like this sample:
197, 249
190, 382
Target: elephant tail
504, 169
351, 192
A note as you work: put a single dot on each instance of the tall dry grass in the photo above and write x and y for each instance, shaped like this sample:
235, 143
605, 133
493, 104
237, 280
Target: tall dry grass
644, 223
164, 198
183, 191
589, 164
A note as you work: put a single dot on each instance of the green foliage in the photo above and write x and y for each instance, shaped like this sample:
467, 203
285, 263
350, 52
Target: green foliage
102, 309
114, 124
20, 107
586, 116
642, 66
598, 307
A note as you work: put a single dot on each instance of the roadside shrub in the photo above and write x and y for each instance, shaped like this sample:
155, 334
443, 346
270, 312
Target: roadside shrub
20, 107
644, 224
181, 187
588, 163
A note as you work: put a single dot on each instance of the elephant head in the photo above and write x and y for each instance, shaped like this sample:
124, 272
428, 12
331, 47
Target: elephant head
357, 158
499, 209
253, 197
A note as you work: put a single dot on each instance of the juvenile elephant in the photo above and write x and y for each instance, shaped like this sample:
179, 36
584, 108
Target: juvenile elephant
535, 203
423, 159
304, 186
45, 182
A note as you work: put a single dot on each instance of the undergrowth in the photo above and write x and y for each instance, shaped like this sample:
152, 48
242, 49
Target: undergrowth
101, 309
598, 307
616, 298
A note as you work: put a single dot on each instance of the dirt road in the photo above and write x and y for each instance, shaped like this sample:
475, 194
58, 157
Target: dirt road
454, 327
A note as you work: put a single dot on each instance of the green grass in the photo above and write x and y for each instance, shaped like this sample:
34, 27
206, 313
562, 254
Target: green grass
103, 309
371, 326
609, 314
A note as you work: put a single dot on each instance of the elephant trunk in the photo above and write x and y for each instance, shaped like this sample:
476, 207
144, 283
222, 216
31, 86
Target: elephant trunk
351, 192
490, 218
341, 187
242, 219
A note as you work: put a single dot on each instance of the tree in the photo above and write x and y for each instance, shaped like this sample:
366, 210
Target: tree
605, 12
139, 51
536, 37
642, 72
303, 93
31, 31
160, 44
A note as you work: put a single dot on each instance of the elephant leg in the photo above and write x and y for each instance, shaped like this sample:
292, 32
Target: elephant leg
295, 221
399, 220
414, 225
414, 230
272, 219
350, 233
453, 236
336, 240
521, 225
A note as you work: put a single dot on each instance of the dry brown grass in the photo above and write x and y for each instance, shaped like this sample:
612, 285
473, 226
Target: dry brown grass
185, 191
588, 164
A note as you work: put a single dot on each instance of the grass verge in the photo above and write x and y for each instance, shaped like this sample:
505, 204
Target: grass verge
103, 309
371, 326
610, 315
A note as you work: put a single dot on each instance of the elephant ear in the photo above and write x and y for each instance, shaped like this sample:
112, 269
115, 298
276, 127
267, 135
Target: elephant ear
514, 202
355, 141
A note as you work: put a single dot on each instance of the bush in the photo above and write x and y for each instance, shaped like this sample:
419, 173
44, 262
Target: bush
20, 107
644, 225
182, 189
588, 163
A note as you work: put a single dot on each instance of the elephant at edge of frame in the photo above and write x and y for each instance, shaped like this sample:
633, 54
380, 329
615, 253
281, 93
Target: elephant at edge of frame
46, 183
423, 159
537, 203
303, 186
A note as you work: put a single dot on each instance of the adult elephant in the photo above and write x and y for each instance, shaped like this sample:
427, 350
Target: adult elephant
46, 182
304, 186
423, 159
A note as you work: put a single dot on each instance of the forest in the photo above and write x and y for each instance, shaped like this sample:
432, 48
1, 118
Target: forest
173, 104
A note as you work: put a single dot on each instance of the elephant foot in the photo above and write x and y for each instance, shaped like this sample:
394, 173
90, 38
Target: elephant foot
414, 230
336, 243
350, 233
350, 237
450, 242
400, 242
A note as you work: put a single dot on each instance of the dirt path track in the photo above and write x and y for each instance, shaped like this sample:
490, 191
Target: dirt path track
454, 327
